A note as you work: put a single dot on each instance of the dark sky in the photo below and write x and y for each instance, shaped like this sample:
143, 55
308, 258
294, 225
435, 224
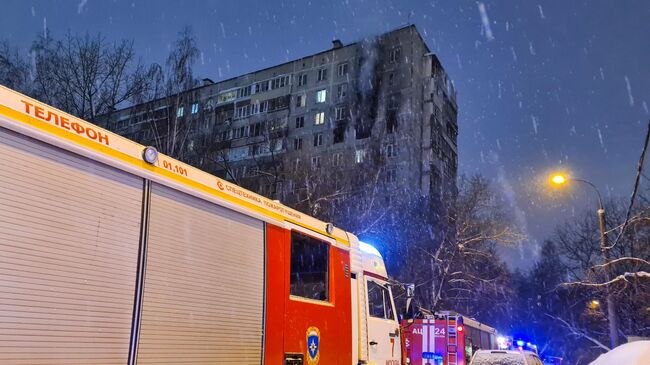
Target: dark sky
541, 85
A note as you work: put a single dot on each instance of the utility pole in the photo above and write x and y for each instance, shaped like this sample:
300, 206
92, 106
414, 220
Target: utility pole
560, 180
611, 305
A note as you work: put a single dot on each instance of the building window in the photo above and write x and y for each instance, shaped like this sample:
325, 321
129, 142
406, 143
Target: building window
244, 91
322, 74
393, 102
391, 176
318, 139
302, 79
195, 108
390, 150
339, 133
279, 82
340, 112
297, 164
360, 156
391, 76
338, 159
395, 54
379, 305
309, 277
297, 144
262, 86
180, 112
341, 91
342, 69
243, 111
319, 118
321, 96
315, 162
391, 122
300, 122
301, 100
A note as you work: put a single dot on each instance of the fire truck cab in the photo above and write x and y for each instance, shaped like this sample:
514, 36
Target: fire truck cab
112, 253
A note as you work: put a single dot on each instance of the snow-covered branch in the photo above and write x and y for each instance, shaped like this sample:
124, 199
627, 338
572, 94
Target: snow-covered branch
622, 277
578, 332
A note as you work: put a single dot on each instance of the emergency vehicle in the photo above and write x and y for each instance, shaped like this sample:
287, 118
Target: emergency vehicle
445, 338
111, 253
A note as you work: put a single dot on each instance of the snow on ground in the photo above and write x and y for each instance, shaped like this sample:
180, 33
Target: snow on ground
633, 353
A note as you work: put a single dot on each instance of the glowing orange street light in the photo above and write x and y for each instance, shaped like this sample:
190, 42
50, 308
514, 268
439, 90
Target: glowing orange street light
558, 179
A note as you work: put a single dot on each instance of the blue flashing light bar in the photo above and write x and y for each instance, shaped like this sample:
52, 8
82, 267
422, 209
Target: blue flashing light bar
368, 249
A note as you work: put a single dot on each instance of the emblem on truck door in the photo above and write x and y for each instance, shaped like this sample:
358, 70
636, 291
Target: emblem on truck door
313, 345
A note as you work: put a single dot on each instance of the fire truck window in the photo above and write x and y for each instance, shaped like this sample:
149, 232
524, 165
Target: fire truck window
309, 267
379, 305
376, 300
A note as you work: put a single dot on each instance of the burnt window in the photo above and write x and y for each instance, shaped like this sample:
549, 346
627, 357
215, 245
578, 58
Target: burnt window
339, 133
309, 267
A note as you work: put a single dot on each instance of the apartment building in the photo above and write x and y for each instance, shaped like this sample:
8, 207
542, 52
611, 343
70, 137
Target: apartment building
370, 125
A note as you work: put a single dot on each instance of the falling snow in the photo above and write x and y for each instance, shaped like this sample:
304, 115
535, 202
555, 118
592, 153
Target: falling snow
629, 91
541, 12
535, 123
81, 6
485, 21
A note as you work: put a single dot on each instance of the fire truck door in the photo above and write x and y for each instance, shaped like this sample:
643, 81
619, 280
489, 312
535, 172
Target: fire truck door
383, 329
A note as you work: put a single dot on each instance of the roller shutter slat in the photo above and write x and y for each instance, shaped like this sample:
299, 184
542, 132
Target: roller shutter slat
69, 233
204, 284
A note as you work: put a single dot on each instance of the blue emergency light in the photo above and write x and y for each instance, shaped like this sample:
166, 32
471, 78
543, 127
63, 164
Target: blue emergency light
437, 358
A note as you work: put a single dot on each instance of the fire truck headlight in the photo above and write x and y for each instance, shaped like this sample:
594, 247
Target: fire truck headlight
150, 155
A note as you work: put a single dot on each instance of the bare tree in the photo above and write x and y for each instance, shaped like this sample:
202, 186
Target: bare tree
462, 267
85, 75
15, 71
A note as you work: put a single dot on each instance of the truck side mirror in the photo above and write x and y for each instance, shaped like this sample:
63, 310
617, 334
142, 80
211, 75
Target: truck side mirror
410, 293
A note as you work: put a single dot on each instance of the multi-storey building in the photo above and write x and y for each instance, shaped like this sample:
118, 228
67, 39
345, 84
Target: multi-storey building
370, 125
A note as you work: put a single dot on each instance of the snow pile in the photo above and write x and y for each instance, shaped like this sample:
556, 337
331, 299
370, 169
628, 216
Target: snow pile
633, 353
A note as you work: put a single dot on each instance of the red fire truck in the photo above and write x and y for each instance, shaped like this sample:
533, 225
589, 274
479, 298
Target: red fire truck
111, 253
445, 338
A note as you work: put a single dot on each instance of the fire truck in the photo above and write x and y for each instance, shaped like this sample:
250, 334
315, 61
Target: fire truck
445, 338
112, 253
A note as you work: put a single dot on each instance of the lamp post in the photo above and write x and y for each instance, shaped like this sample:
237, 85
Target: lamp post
561, 180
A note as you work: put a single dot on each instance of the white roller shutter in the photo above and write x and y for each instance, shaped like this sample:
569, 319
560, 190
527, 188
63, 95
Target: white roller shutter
204, 284
69, 233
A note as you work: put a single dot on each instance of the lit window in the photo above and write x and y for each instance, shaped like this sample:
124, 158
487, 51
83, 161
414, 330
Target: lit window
318, 139
322, 74
321, 96
319, 118
359, 156
180, 112
195, 108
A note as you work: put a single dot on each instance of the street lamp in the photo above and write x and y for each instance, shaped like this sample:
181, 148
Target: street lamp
560, 180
